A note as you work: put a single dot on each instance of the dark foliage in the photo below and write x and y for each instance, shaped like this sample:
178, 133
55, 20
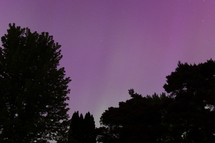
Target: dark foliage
33, 88
192, 114
82, 129
186, 115
137, 119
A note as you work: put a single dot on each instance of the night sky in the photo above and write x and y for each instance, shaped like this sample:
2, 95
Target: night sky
110, 46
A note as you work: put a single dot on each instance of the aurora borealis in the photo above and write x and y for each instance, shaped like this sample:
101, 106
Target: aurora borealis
110, 46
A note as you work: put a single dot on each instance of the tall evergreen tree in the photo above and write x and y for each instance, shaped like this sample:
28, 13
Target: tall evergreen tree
74, 129
33, 88
82, 129
89, 128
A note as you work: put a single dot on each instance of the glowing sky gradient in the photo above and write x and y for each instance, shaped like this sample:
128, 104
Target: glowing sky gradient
110, 46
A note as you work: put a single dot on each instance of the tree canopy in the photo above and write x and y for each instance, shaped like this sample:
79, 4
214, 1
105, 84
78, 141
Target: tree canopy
137, 119
193, 88
33, 88
185, 114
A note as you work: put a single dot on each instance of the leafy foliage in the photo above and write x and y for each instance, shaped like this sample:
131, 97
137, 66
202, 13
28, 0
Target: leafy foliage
193, 114
187, 114
33, 88
137, 119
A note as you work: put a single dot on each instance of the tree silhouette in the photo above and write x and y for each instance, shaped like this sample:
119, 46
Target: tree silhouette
192, 114
33, 88
136, 120
75, 130
89, 129
82, 130
186, 115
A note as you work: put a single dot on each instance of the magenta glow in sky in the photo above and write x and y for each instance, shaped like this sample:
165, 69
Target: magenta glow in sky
110, 46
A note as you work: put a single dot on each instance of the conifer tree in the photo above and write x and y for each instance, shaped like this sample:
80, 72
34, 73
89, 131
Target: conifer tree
89, 129
82, 129
74, 130
33, 88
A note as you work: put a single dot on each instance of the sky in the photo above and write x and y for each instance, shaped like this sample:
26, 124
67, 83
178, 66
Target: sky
110, 46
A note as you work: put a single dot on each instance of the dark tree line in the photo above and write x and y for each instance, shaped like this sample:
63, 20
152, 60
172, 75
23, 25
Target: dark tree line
185, 115
34, 89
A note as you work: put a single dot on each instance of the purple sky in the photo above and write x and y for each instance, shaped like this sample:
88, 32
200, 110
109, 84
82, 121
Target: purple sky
110, 46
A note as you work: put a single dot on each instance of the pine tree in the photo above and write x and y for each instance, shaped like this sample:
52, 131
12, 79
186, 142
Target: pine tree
33, 88
82, 129
74, 128
89, 129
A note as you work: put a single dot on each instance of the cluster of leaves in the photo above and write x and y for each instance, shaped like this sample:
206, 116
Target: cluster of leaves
82, 129
33, 88
186, 114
